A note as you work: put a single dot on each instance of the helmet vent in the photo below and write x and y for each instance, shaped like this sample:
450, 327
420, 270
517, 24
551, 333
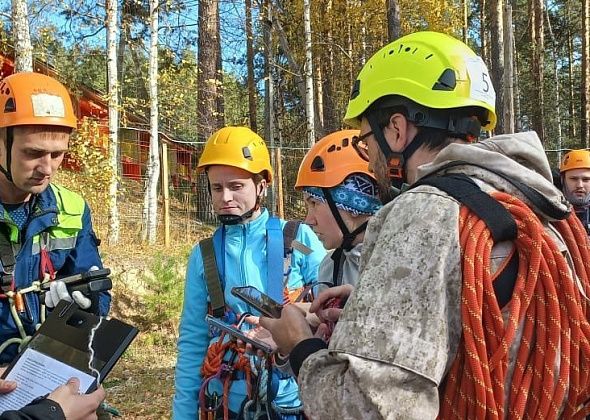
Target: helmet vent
10, 106
331, 148
345, 142
407, 49
428, 56
356, 89
401, 47
246, 153
317, 165
446, 81
390, 52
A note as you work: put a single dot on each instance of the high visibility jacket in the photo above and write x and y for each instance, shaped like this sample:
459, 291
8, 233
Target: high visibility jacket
245, 265
60, 220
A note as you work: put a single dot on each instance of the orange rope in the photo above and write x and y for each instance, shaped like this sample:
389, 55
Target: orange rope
551, 373
213, 364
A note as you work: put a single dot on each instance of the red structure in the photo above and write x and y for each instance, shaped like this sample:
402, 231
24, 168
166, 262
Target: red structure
134, 141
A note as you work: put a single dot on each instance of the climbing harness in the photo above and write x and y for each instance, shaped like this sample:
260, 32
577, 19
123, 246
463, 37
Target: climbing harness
540, 294
224, 360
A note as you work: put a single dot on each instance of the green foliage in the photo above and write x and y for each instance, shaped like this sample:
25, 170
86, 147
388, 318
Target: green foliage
92, 174
163, 302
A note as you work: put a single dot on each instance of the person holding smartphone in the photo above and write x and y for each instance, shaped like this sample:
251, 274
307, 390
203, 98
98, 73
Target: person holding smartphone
238, 168
442, 322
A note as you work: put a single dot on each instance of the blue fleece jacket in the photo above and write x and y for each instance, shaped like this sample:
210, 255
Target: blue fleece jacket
245, 265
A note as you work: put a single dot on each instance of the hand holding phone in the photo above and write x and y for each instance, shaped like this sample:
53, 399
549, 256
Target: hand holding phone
254, 297
238, 334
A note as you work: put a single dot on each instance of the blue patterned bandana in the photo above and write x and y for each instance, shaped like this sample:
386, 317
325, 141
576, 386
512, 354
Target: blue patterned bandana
358, 194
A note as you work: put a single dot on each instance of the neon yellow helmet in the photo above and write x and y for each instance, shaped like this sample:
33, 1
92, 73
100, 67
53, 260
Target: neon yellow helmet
239, 147
432, 69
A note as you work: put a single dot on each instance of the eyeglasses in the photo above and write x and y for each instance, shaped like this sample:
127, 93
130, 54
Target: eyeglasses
360, 145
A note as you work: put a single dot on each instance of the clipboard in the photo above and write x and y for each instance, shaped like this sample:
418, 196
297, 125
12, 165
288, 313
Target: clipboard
60, 349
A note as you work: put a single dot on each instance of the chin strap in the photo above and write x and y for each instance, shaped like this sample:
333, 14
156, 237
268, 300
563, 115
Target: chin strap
9, 141
455, 124
347, 238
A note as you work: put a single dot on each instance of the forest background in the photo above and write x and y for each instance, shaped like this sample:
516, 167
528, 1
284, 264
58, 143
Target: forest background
282, 67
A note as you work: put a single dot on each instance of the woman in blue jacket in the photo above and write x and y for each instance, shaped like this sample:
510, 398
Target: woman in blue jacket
239, 170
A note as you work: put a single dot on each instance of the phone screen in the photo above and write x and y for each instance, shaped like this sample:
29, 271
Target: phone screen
264, 303
234, 332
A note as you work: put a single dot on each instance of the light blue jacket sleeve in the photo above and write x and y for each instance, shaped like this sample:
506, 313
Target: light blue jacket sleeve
193, 341
304, 268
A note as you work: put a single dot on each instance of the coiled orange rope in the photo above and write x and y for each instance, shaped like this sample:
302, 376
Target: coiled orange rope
547, 325
212, 366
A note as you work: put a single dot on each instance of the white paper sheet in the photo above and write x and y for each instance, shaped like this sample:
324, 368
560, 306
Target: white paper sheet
37, 374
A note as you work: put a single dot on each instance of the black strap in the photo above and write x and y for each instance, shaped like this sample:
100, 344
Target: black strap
289, 233
216, 297
505, 281
7, 258
538, 200
496, 217
462, 188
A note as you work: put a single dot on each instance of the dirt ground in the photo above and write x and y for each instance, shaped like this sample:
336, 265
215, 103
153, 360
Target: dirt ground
141, 385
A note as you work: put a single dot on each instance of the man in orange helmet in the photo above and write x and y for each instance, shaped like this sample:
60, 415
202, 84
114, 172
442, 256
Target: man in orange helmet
575, 179
45, 229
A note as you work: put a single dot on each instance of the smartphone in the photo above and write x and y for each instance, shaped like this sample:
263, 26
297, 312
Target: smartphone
80, 278
236, 333
264, 303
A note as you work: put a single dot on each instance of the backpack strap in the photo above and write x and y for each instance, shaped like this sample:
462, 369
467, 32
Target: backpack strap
214, 287
7, 258
498, 220
289, 232
274, 258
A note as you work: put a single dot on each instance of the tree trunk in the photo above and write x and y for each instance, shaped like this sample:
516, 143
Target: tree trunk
465, 28
570, 67
537, 39
23, 50
497, 59
113, 96
309, 96
250, 65
154, 152
508, 79
517, 113
220, 104
393, 20
269, 89
557, 87
585, 88
207, 68
327, 64
483, 33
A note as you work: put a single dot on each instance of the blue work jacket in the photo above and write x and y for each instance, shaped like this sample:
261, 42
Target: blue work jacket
245, 265
60, 220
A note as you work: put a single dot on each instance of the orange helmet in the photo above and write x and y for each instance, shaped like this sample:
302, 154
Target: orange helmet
576, 159
330, 161
35, 99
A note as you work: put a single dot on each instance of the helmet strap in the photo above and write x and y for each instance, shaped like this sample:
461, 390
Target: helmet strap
9, 141
348, 238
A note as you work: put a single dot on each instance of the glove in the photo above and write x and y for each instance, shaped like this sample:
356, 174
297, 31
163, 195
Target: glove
58, 291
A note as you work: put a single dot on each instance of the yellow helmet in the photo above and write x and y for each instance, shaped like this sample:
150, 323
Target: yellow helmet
576, 159
239, 147
431, 69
